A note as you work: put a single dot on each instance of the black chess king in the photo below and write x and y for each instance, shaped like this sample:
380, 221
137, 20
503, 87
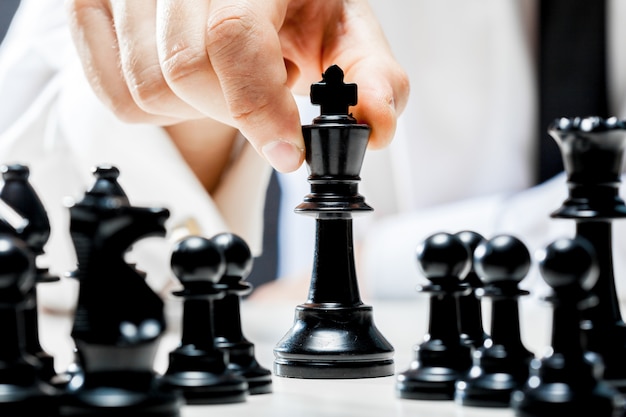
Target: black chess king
333, 335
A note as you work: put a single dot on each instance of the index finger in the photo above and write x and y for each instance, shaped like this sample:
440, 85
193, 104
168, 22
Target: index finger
245, 51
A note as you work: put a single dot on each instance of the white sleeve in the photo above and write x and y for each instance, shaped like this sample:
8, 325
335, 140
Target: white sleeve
55, 124
388, 259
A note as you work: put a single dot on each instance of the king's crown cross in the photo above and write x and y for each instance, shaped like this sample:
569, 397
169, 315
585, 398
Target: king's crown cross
332, 94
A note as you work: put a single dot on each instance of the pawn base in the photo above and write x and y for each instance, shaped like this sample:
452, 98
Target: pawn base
207, 388
242, 361
434, 372
122, 394
486, 391
552, 399
203, 377
333, 342
25, 401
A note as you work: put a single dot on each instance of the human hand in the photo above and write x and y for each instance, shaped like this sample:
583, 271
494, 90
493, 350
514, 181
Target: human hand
238, 62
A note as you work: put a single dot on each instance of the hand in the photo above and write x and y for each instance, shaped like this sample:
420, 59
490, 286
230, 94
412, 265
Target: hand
236, 61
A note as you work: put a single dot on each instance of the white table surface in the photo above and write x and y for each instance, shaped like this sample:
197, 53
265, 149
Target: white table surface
403, 323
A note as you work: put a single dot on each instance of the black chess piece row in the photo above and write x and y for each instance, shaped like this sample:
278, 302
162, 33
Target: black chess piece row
118, 319
584, 371
501, 372
484, 369
214, 362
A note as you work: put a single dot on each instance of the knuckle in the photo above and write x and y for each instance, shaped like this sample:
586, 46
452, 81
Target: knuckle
147, 86
228, 29
81, 9
181, 61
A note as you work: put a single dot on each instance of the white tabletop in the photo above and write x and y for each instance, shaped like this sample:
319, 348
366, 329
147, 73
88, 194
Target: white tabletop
403, 323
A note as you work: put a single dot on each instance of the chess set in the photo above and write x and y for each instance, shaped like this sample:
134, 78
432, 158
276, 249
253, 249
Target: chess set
333, 335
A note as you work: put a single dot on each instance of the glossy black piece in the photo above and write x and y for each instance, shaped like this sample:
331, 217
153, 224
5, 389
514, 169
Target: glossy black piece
593, 153
334, 335
118, 320
23, 393
197, 368
105, 184
565, 381
32, 225
442, 357
501, 364
468, 304
229, 335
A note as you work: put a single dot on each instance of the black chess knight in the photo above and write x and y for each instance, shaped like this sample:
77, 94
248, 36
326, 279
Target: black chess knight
334, 335
118, 320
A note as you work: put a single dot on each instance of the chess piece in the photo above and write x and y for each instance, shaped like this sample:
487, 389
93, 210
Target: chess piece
593, 150
228, 332
105, 184
468, 304
118, 319
333, 335
564, 381
22, 391
20, 196
501, 364
442, 357
197, 368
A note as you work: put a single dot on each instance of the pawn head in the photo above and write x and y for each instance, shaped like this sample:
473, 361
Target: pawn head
568, 264
197, 259
503, 258
237, 255
443, 255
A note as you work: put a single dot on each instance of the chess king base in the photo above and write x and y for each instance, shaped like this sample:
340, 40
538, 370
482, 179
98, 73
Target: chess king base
317, 345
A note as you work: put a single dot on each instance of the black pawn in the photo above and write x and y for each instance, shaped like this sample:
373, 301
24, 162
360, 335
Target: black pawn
442, 357
18, 193
564, 381
469, 305
500, 365
228, 331
22, 391
197, 368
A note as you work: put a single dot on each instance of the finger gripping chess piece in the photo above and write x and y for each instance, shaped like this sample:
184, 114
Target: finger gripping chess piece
334, 335
197, 368
501, 364
22, 391
119, 319
565, 381
228, 332
593, 153
442, 357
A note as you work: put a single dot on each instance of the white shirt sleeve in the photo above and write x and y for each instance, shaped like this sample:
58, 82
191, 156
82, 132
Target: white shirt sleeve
55, 124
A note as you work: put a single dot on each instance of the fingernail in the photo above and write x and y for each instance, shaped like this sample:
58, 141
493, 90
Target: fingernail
284, 156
